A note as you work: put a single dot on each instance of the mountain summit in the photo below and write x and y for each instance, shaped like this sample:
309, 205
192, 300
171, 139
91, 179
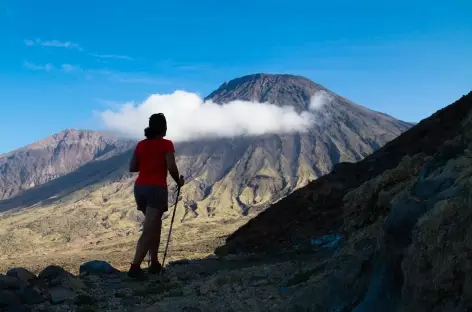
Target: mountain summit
281, 90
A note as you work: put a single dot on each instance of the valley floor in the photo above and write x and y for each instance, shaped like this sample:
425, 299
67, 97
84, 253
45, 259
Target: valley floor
190, 240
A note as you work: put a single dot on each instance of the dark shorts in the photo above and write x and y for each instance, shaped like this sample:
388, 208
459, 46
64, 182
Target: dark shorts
151, 196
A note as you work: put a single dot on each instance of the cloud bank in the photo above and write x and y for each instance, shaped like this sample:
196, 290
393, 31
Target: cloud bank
190, 117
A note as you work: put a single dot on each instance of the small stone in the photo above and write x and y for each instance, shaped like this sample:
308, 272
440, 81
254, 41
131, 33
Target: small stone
130, 301
210, 286
93, 278
86, 308
184, 275
284, 291
299, 277
140, 292
142, 306
176, 292
22, 274
260, 282
191, 309
97, 267
121, 295
205, 289
61, 294
84, 300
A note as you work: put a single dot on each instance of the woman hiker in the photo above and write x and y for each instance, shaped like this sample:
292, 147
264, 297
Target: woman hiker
152, 158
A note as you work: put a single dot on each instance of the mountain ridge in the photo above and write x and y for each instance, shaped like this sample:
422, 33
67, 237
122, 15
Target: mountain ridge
54, 156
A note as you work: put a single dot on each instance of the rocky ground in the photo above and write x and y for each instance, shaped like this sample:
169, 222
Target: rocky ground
242, 283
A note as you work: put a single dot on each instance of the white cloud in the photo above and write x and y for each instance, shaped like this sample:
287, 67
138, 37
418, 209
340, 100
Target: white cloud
112, 56
189, 117
32, 66
53, 43
319, 99
67, 68
70, 68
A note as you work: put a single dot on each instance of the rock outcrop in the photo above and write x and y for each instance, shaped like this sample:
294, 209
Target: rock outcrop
317, 208
404, 215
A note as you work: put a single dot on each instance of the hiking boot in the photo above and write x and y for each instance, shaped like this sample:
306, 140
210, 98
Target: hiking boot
155, 268
137, 273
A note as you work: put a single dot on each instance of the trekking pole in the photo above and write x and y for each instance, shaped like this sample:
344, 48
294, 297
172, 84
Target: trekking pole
170, 229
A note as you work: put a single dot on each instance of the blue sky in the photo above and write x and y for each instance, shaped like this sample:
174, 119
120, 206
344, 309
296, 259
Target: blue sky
62, 60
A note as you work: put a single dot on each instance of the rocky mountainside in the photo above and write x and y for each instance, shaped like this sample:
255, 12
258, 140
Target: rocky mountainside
397, 224
53, 157
244, 174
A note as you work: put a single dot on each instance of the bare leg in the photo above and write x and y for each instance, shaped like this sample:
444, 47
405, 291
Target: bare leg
152, 223
155, 247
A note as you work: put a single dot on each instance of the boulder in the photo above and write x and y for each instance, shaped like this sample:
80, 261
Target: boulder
97, 267
52, 272
10, 282
22, 274
61, 294
55, 276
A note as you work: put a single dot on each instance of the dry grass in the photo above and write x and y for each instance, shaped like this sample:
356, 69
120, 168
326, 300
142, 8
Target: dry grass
70, 233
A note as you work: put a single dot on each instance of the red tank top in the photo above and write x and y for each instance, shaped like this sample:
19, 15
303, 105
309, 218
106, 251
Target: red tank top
152, 165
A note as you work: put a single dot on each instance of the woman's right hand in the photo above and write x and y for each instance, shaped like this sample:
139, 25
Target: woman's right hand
181, 181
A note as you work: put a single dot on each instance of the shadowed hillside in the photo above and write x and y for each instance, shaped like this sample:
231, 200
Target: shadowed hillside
397, 224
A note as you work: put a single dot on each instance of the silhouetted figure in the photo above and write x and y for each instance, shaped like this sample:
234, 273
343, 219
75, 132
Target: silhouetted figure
152, 158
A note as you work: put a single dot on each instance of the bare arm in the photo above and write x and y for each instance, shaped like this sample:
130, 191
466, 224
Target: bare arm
172, 166
133, 164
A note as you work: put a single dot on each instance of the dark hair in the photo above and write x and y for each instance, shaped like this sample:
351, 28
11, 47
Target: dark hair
157, 126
